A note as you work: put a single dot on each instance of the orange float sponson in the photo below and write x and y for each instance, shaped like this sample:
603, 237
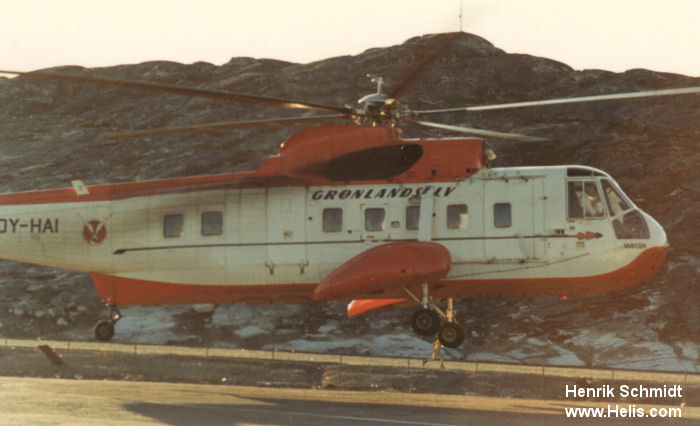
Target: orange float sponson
385, 270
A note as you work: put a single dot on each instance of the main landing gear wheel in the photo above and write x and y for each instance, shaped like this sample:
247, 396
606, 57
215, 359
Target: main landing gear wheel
425, 322
451, 335
104, 330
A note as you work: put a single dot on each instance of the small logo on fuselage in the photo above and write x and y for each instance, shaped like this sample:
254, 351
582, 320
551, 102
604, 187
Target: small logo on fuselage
94, 231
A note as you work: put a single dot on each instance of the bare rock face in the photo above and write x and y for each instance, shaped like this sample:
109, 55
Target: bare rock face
52, 133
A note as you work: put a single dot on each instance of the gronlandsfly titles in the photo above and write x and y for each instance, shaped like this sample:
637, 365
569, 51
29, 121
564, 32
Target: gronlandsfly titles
387, 192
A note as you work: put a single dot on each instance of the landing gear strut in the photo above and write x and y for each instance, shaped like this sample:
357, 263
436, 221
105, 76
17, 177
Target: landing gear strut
427, 321
104, 330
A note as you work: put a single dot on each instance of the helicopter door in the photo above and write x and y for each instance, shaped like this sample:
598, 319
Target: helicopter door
286, 234
375, 222
247, 210
539, 218
509, 220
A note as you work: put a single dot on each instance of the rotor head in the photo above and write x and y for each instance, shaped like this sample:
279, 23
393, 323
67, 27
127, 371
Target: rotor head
378, 109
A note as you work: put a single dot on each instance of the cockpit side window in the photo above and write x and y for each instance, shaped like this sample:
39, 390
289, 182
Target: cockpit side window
616, 203
584, 200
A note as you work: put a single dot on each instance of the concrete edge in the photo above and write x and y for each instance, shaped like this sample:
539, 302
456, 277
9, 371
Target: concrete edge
358, 360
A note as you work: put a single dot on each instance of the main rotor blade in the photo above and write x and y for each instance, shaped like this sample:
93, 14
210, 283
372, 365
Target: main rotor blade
217, 127
482, 132
594, 98
180, 90
437, 45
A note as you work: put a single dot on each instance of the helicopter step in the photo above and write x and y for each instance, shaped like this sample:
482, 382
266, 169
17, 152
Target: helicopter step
104, 329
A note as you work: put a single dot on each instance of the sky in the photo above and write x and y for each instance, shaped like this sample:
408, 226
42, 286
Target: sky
615, 35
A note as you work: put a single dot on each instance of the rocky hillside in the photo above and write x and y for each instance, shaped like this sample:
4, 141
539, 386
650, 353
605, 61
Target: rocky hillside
51, 133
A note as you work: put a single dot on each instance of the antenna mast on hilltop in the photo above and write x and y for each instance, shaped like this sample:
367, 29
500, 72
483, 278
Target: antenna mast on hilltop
460, 16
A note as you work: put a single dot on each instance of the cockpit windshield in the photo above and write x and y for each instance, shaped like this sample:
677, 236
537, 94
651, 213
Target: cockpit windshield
627, 222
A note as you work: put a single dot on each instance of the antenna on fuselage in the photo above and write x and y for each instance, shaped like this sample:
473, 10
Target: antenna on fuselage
460, 16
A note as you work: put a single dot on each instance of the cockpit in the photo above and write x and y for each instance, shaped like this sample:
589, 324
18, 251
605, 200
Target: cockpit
594, 195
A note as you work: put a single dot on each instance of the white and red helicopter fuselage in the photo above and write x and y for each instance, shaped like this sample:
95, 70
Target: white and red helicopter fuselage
301, 228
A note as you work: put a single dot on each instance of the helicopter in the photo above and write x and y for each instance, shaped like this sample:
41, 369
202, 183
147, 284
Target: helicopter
352, 212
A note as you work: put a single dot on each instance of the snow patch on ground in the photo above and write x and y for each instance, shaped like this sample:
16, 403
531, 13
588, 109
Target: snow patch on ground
690, 350
149, 325
325, 328
397, 345
250, 331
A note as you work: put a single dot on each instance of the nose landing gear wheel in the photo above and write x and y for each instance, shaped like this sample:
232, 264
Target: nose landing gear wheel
425, 322
451, 335
104, 331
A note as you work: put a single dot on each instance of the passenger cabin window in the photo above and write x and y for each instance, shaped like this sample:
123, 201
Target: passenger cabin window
173, 225
502, 215
584, 200
212, 224
457, 217
332, 220
374, 219
412, 217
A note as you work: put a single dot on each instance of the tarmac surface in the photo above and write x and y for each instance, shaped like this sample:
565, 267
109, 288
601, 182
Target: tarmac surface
88, 383
63, 401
